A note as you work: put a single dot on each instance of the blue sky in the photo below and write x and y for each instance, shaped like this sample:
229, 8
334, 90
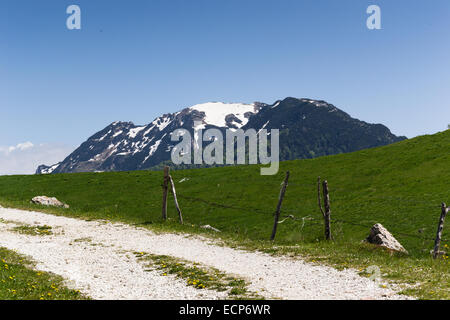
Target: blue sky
134, 60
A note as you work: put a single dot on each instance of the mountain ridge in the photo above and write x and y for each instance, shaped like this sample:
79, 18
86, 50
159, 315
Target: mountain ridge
308, 128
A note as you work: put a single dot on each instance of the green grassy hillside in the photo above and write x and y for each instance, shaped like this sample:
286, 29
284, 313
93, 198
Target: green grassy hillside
400, 186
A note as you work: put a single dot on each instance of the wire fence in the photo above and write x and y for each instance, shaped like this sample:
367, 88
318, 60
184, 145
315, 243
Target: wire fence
288, 214
319, 216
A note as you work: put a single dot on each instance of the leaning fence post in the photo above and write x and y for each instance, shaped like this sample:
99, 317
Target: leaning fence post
180, 216
165, 189
280, 200
327, 215
437, 242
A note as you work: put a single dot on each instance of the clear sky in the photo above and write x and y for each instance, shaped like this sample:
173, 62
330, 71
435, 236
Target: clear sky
135, 60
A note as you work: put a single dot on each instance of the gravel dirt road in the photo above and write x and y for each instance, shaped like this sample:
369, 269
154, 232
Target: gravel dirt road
97, 258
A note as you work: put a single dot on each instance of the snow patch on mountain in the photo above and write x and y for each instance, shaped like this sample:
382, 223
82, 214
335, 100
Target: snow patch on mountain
118, 133
216, 112
50, 169
154, 147
276, 105
133, 132
162, 122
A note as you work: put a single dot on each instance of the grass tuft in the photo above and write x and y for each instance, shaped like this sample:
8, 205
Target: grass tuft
33, 230
198, 276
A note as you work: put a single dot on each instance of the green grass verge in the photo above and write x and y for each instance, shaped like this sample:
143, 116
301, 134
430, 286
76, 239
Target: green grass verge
19, 282
400, 186
33, 230
199, 276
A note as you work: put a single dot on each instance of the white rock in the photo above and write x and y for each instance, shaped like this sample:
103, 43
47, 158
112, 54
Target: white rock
49, 201
209, 228
379, 235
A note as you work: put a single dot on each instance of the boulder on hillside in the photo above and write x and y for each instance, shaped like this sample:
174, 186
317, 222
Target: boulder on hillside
379, 235
49, 201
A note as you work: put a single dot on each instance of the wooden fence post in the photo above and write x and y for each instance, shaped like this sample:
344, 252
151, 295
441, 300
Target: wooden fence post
165, 189
180, 216
280, 200
437, 242
318, 198
327, 214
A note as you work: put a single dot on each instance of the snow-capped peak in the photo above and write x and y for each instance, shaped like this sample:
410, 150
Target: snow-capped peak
123, 146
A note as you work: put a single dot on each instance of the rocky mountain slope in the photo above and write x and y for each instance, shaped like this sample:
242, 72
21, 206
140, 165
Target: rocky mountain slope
308, 128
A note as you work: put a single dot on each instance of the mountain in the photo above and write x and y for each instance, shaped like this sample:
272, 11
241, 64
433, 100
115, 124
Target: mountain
308, 129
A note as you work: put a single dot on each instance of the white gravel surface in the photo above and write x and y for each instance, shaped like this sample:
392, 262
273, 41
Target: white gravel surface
104, 267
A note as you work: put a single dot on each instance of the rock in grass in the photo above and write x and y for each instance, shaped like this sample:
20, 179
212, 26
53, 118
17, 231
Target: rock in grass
209, 228
380, 236
47, 201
